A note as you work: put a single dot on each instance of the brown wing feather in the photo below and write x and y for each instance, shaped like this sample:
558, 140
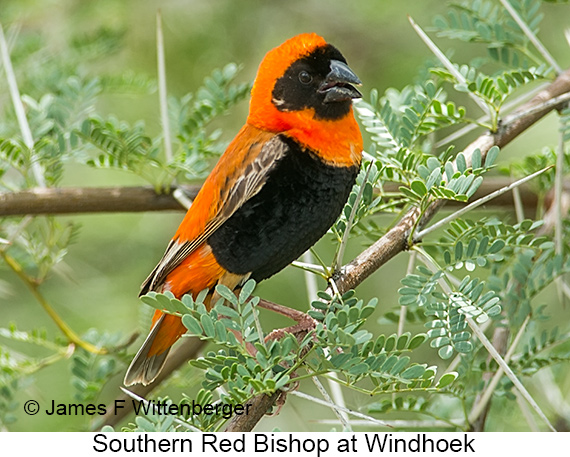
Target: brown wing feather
245, 186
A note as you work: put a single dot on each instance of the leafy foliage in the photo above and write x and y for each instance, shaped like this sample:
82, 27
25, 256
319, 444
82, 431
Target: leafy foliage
336, 344
493, 91
130, 148
448, 328
485, 21
482, 272
16, 368
89, 371
408, 116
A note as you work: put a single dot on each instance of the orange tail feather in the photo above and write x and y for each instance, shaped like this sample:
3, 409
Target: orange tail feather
198, 271
150, 359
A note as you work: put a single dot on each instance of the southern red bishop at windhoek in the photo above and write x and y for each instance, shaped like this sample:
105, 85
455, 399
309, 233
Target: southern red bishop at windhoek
279, 186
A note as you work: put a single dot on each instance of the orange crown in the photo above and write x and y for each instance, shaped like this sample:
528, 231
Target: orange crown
262, 112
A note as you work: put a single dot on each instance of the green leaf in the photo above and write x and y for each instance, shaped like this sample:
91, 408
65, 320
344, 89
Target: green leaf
496, 246
413, 372
389, 363
227, 294
246, 290
338, 360
390, 343
192, 324
359, 369
208, 325
406, 300
403, 341
476, 159
447, 379
445, 352
419, 188
434, 178
491, 157
464, 347
458, 251
461, 163
224, 310
400, 365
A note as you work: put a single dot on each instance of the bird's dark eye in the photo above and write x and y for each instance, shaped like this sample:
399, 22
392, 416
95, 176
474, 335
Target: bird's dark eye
305, 77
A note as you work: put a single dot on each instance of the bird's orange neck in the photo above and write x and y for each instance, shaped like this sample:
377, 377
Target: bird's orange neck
338, 142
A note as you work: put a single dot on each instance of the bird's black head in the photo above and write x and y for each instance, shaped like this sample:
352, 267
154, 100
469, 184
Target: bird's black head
320, 80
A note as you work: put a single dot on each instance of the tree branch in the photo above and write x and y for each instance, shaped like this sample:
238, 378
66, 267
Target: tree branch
90, 200
395, 240
77, 200
260, 406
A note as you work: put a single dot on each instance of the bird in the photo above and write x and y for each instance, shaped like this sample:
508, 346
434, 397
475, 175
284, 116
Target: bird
279, 186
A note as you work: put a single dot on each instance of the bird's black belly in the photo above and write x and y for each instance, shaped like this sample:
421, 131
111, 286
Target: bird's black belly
301, 199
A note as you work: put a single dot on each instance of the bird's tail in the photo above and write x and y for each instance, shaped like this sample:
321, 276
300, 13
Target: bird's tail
148, 362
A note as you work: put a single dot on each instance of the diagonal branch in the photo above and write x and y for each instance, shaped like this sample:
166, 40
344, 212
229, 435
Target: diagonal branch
395, 241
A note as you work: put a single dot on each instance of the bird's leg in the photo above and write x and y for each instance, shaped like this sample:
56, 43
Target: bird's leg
296, 315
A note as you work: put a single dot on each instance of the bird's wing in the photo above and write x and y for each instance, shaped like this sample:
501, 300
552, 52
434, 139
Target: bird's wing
239, 175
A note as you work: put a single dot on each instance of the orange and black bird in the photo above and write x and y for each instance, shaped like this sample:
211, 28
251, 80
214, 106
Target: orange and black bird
277, 189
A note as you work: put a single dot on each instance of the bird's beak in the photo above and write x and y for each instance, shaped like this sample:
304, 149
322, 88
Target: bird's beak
338, 84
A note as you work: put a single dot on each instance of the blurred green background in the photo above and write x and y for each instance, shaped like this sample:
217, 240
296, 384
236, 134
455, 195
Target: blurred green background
98, 282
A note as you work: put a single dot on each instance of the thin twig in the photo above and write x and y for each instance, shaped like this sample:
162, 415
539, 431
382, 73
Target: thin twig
337, 263
312, 268
85, 200
79, 200
517, 201
310, 278
459, 133
162, 92
19, 108
443, 222
526, 412
558, 187
341, 415
33, 288
479, 407
370, 419
17, 231
182, 198
514, 379
153, 408
531, 36
447, 64
551, 391
565, 289
336, 391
